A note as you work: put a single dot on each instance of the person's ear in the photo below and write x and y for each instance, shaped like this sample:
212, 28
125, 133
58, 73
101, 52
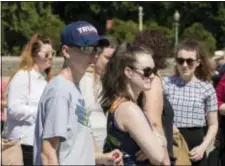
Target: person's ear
65, 51
128, 72
198, 63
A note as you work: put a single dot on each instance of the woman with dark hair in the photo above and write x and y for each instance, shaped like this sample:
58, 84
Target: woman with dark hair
24, 91
128, 73
193, 99
156, 105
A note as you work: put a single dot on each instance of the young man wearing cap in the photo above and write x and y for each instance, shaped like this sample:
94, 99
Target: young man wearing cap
62, 135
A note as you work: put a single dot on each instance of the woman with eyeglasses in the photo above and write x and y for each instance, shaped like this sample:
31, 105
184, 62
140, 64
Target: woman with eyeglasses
90, 86
127, 74
24, 91
193, 99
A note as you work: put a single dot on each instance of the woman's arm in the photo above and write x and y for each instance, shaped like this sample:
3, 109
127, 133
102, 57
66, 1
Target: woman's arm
153, 108
211, 108
212, 129
17, 98
131, 119
153, 105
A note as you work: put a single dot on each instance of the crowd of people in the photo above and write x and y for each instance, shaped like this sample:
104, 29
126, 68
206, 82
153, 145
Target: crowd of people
109, 104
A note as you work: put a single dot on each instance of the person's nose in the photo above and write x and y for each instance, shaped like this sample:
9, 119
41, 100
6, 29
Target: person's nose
152, 76
185, 64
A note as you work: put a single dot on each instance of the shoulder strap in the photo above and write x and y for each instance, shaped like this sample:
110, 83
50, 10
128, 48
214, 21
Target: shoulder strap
115, 104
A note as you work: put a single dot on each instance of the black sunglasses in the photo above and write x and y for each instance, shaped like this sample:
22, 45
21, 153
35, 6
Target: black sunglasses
147, 72
91, 49
189, 61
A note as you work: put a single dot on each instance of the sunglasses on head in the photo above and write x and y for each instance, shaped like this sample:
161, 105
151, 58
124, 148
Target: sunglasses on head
189, 61
147, 72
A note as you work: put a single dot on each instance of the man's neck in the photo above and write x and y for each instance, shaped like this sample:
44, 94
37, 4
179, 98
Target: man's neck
71, 76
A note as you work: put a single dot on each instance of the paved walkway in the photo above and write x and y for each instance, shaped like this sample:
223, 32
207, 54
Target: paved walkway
9, 64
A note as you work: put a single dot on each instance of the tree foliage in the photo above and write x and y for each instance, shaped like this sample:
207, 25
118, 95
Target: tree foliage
21, 19
197, 31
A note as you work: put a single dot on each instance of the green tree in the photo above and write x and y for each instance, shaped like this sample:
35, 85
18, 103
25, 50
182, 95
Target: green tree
197, 31
20, 20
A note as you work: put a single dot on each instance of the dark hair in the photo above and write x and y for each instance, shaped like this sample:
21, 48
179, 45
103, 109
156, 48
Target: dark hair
114, 80
155, 40
203, 71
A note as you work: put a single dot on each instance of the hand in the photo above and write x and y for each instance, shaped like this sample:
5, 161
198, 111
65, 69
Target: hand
175, 129
140, 156
114, 157
197, 153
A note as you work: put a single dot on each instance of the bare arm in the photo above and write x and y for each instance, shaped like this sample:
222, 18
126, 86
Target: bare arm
212, 129
222, 109
131, 119
154, 105
49, 151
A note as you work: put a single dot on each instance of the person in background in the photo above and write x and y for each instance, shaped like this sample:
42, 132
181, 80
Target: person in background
62, 134
24, 91
219, 59
220, 92
3, 102
193, 99
213, 67
127, 74
90, 86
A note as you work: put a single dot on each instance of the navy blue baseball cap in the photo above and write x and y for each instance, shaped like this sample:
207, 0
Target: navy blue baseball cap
82, 34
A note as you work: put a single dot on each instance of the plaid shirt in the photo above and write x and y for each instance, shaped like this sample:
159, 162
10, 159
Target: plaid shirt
191, 102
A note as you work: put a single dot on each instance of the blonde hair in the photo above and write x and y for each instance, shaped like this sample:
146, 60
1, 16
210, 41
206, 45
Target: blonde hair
30, 50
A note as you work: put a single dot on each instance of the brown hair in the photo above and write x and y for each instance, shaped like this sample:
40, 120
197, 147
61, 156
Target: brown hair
31, 50
203, 71
156, 41
114, 80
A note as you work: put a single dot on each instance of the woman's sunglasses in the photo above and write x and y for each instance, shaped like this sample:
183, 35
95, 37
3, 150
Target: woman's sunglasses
49, 54
147, 72
189, 61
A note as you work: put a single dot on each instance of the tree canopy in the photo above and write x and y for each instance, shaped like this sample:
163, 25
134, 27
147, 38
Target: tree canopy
204, 20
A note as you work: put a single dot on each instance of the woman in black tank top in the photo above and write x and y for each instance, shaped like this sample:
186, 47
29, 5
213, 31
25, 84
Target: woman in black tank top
128, 73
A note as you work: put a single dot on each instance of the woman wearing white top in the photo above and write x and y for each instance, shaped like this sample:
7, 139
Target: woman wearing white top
24, 91
90, 86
